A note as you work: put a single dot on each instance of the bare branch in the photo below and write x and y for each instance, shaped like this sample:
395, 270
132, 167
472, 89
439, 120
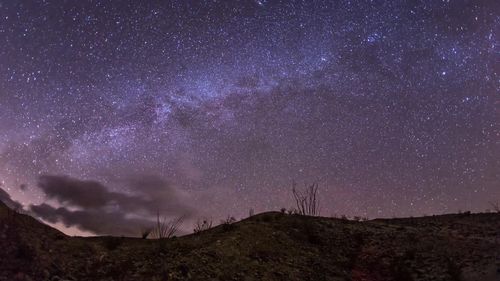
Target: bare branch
306, 201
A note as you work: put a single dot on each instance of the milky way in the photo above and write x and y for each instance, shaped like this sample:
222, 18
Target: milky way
391, 106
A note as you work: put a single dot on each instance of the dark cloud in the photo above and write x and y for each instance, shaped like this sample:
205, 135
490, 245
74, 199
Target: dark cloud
87, 194
94, 220
91, 206
7, 200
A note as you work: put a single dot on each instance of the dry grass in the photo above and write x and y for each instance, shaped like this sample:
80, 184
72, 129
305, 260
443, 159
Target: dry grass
166, 228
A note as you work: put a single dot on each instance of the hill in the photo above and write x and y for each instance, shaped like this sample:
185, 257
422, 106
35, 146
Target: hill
267, 246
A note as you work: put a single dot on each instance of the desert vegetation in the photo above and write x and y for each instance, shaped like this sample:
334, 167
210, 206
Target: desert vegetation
145, 232
166, 228
228, 223
306, 201
202, 225
267, 246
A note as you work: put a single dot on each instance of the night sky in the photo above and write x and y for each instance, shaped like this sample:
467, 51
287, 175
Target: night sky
112, 110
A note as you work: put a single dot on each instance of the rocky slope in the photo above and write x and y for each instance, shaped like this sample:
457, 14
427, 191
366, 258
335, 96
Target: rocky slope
268, 246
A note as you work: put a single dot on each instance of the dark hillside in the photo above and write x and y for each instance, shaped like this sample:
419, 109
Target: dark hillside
268, 246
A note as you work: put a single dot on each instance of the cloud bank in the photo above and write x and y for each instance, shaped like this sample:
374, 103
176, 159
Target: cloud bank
93, 207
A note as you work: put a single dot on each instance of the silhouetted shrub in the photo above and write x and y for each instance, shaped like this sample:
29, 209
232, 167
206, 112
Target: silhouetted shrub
202, 225
464, 214
146, 232
227, 224
306, 201
166, 228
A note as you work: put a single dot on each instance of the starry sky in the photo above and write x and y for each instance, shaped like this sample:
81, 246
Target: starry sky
209, 108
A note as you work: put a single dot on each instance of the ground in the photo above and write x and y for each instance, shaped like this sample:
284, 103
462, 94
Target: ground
267, 246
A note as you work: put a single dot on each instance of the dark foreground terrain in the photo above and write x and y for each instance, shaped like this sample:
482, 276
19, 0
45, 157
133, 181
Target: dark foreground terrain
268, 246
